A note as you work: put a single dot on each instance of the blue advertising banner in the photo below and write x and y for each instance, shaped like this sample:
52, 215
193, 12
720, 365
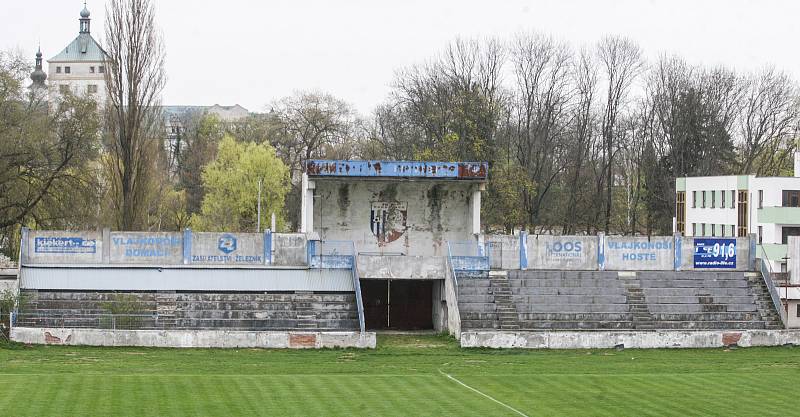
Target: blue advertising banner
715, 253
64, 245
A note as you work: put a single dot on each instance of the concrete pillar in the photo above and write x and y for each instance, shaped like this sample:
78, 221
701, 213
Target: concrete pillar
523, 250
106, 245
793, 252
797, 164
268, 247
187, 245
476, 209
751, 253
601, 251
306, 205
23, 246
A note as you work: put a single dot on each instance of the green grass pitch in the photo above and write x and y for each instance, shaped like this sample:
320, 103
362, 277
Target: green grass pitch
404, 376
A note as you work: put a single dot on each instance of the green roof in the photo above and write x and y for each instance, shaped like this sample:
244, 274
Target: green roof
83, 48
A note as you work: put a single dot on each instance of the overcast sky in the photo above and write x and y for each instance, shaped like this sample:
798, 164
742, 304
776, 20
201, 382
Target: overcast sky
253, 52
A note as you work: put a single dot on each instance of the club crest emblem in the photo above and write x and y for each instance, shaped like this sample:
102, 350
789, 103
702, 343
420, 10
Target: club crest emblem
387, 220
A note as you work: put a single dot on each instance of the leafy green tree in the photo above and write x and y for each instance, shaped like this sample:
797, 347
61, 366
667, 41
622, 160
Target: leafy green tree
231, 187
202, 137
47, 153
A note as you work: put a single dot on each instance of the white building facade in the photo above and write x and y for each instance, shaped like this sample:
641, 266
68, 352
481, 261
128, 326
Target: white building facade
80, 67
738, 205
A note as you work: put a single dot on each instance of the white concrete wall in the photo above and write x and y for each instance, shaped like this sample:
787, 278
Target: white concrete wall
435, 212
629, 339
504, 250
793, 318
193, 338
401, 267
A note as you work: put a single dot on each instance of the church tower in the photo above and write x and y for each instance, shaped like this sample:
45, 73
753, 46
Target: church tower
80, 67
38, 76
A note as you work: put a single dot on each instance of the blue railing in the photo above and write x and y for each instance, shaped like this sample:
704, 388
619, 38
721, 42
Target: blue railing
469, 256
357, 289
331, 254
766, 275
338, 254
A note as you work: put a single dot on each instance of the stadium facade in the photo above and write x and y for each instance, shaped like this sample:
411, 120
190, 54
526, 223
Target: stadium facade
394, 245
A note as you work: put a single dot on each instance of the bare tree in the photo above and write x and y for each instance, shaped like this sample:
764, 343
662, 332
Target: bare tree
621, 61
543, 91
135, 78
768, 124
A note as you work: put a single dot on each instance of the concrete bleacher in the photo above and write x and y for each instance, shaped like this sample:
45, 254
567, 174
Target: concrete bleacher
604, 300
299, 310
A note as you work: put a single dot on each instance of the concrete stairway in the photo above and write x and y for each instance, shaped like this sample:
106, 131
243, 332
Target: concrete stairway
601, 300
301, 310
507, 316
764, 301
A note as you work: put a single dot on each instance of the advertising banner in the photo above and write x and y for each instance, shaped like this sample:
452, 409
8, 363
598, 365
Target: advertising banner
147, 247
562, 252
228, 248
639, 253
63, 247
61, 244
715, 253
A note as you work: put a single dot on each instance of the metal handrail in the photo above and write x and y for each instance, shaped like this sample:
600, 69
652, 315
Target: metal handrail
357, 290
766, 275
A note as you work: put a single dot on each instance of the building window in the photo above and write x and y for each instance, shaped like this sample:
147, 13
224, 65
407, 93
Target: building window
722, 227
63, 88
680, 212
791, 198
760, 234
733, 199
713, 230
742, 214
58, 70
703, 201
101, 69
91, 88
703, 229
722, 198
733, 230
694, 199
91, 70
787, 231
798, 310
713, 199
694, 229
760, 198
66, 70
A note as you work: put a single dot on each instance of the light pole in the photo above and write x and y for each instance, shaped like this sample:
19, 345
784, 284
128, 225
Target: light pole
258, 221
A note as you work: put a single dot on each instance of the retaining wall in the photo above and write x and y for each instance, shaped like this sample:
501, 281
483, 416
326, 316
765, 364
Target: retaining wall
193, 338
629, 339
